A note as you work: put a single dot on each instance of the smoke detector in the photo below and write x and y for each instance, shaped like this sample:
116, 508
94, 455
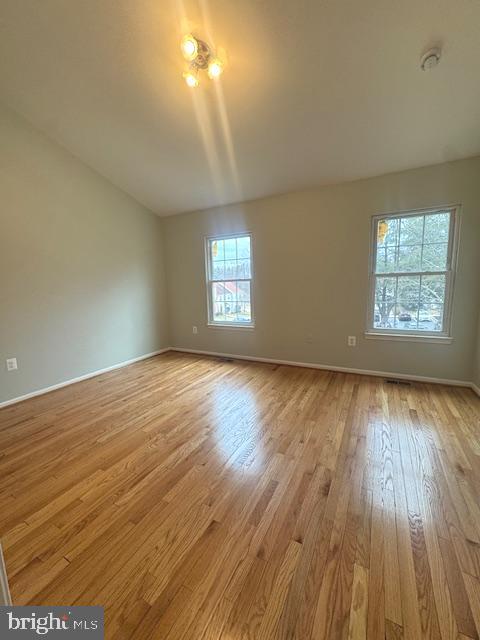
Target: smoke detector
430, 59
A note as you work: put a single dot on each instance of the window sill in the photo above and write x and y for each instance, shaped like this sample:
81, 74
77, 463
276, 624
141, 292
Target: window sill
229, 325
371, 335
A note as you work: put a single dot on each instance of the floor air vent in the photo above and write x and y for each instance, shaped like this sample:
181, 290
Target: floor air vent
394, 381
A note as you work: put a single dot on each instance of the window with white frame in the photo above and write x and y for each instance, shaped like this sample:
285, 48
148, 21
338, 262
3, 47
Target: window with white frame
412, 273
229, 280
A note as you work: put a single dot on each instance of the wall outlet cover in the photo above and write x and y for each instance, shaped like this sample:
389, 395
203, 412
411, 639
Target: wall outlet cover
12, 364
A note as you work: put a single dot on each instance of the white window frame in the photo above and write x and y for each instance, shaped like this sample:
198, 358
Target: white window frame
208, 269
415, 334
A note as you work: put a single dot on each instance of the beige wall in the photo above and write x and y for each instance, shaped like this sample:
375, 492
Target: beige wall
311, 263
476, 366
81, 266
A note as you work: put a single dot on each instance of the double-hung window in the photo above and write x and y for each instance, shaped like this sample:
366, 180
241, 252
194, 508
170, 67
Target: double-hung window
229, 280
412, 268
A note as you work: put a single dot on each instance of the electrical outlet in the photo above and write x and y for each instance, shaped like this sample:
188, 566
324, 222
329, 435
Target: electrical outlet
309, 338
12, 364
352, 341
194, 330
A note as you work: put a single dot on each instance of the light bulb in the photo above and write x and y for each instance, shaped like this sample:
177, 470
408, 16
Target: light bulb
189, 47
191, 79
215, 68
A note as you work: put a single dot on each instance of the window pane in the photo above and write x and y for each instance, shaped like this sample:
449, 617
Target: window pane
437, 227
230, 268
385, 292
386, 259
411, 230
218, 270
243, 247
406, 316
409, 258
230, 249
243, 291
380, 266
386, 288
217, 250
408, 290
218, 292
433, 289
230, 289
435, 257
384, 320
219, 312
408, 295
244, 313
431, 317
230, 314
243, 269
387, 232
231, 301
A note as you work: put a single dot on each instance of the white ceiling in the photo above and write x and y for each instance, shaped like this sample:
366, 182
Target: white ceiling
316, 91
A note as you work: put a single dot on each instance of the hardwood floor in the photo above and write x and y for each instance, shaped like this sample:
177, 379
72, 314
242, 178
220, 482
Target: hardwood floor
205, 499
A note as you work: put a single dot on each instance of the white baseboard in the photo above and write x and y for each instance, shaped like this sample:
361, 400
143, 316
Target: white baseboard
326, 367
92, 374
475, 388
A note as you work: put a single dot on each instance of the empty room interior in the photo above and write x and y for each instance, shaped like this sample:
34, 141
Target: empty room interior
240, 319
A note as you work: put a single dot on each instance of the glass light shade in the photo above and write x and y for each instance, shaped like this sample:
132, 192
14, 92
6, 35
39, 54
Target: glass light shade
189, 47
215, 68
191, 79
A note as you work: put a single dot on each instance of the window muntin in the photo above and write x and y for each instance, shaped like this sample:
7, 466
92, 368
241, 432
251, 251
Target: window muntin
412, 273
229, 280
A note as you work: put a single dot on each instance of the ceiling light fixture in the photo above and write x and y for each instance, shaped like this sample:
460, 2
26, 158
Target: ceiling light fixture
200, 58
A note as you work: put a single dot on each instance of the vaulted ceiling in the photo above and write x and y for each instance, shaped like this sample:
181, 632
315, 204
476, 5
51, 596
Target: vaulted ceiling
315, 92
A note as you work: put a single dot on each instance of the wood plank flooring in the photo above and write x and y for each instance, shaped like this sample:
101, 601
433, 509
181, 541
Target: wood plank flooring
203, 499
